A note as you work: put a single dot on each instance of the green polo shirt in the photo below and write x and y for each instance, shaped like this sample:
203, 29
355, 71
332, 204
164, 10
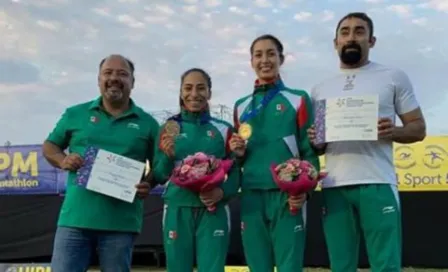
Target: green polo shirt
132, 135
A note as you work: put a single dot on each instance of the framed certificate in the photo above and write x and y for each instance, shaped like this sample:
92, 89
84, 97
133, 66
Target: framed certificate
351, 118
110, 174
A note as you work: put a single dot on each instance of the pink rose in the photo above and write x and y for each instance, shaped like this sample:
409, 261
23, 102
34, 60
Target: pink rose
289, 167
201, 156
198, 172
184, 169
295, 162
214, 164
278, 167
286, 172
201, 165
286, 177
312, 172
307, 164
189, 160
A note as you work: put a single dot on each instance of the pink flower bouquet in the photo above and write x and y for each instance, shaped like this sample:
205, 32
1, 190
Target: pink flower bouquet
201, 173
296, 177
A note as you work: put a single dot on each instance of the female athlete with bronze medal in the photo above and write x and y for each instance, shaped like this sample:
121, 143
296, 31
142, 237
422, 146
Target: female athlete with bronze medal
187, 223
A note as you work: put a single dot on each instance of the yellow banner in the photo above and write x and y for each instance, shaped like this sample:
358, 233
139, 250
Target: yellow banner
239, 269
421, 166
4, 267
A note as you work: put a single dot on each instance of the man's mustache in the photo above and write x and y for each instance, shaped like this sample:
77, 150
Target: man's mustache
351, 46
114, 83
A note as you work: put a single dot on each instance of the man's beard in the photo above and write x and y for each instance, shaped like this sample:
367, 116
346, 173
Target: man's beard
114, 94
352, 56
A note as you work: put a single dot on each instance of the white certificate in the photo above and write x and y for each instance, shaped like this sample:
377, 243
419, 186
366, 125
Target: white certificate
351, 118
115, 175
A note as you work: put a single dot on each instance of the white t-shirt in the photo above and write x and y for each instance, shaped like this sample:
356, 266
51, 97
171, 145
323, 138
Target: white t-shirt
366, 162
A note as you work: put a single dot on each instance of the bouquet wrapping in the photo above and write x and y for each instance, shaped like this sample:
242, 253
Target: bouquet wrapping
296, 177
201, 173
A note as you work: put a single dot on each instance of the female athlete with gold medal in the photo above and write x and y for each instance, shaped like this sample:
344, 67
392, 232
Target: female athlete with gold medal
272, 127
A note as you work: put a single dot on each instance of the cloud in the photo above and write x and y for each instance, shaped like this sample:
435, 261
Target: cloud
50, 25
290, 58
165, 9
304, 41
213, 3
238, 10
241, 48
16, 37
44, 3
420, 21
51, 50
303, 16
230, 32
17, 88
128, 1
130, 21
18, 72
190, 9
158, 19
102, 11
440, 5
259, 19
402, 10
263, 3
327, 15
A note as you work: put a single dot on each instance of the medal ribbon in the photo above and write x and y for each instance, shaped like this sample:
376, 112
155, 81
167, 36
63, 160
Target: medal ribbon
254, 111
204, 118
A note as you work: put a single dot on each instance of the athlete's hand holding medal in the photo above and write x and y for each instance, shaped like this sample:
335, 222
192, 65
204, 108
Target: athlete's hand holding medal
239, 140
170, 131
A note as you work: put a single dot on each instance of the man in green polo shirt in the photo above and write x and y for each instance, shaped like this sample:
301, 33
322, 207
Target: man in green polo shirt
91, 221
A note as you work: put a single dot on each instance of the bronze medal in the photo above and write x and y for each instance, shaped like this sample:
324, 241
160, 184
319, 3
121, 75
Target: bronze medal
171, 128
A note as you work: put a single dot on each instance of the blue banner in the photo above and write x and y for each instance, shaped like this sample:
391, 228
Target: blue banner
25, 171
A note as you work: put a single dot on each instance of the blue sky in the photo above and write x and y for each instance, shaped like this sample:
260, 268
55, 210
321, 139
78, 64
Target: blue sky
50, 50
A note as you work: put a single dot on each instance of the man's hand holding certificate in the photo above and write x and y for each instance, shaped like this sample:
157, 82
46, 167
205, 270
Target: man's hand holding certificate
110, 174
352, 118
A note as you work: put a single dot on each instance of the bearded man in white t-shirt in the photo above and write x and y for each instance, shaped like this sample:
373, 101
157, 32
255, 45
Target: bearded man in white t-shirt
360, 193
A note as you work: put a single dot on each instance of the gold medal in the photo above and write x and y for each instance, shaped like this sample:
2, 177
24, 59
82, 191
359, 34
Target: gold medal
172, 128
245, 131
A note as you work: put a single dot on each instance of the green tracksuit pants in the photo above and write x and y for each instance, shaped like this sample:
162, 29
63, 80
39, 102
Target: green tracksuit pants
373, 210
194, 234
271, 235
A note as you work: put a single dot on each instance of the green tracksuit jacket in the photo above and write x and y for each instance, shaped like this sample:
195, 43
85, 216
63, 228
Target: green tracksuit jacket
189, 230
279, 132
